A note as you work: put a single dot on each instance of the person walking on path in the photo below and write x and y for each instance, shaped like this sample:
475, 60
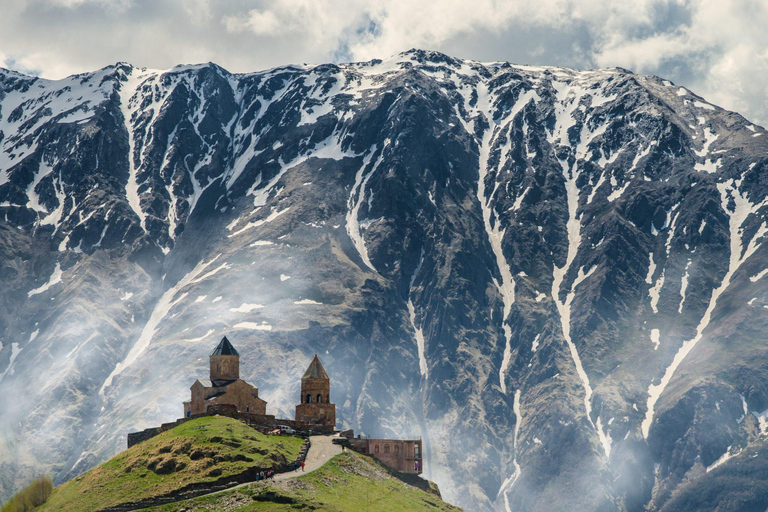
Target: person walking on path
302, 465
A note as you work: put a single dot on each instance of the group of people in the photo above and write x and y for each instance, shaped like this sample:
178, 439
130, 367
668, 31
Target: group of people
265, 475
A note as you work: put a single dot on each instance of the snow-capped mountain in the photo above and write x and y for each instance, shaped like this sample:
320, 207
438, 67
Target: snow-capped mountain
555, 277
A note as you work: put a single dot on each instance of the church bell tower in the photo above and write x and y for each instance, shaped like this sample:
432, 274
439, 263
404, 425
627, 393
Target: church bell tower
225, 362
316, 407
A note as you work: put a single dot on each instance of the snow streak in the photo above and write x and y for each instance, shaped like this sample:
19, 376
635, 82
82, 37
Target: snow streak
492, 224
54, 279
742, 210
127, 94
356, 197
418, 333
167, 301
509, 482
569, 97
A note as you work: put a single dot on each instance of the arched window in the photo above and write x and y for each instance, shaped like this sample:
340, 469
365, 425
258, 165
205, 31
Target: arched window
386, 448
376, 449
247, 409
397, 448
309, 399
319, 399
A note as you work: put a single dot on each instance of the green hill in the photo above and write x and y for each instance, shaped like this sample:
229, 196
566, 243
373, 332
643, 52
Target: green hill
200, 450
204, 450
347, 483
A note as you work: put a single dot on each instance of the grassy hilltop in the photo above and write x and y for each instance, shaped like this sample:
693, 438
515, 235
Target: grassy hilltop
348, 483
206, 449
200, 450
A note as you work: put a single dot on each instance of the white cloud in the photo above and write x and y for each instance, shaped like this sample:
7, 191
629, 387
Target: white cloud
719, 49
261, 23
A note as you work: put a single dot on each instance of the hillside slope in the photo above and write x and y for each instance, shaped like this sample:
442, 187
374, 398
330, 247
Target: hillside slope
555, 278
200, 450
347, 483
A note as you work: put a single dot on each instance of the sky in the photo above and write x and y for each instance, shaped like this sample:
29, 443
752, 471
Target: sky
716, 48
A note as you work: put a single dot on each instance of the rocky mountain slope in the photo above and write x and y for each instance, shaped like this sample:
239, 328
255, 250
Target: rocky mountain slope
555, 277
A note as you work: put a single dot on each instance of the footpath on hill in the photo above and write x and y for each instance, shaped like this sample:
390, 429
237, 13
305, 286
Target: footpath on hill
321, 450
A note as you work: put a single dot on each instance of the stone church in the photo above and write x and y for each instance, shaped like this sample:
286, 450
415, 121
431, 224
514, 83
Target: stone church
225, 388
224, 385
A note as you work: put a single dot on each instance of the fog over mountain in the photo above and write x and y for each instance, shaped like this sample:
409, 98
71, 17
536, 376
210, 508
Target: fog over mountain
555, 277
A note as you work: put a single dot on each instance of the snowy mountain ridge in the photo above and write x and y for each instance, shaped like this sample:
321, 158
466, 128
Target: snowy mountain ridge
505, 260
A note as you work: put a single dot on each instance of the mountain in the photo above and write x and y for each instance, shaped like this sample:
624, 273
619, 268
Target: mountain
554, 277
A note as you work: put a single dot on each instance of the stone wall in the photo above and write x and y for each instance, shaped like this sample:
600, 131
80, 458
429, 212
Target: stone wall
261, 422
316, 414
224, 367
138, 437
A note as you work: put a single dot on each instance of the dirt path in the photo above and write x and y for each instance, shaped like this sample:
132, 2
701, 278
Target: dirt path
321, 450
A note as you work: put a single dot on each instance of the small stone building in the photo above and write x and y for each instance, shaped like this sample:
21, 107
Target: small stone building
402, 455
316, 407
224, 385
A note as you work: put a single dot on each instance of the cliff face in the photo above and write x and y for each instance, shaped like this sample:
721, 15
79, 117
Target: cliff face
554, 277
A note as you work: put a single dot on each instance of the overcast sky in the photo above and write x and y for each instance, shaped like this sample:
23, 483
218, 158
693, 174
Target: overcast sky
717, 48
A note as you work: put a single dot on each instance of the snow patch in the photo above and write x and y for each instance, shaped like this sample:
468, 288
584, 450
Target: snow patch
655, 339
15, 350
535, 344
605, 437
618, 192
418, 333
201, 338
254, 326
651, 269
54, 279
272, 216
683, 288
246, 308
724, 457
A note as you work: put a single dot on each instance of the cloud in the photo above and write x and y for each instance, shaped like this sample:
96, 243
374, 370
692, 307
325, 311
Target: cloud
718, 49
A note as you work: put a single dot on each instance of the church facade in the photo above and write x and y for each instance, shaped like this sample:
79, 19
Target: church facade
224, 387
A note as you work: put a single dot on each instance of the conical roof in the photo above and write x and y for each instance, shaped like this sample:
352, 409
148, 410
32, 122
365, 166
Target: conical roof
224, 348
315, 370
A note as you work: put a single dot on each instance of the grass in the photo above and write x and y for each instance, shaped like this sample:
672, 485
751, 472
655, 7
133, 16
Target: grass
347, 483
33, 495
200, 450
